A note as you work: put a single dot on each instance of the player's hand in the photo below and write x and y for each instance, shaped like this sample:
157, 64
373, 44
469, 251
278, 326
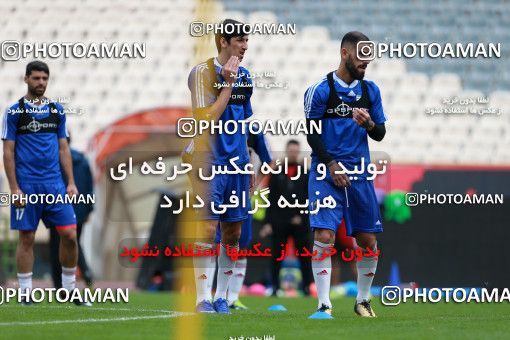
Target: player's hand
229, 70
266, 230
72, 190
362, 118
340, 180
17, 202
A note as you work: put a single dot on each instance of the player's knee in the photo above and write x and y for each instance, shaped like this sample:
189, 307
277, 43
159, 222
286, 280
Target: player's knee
210, 230
230, 234
68, 236
325, 236
367, 241
26, 239
231, 237
206, 231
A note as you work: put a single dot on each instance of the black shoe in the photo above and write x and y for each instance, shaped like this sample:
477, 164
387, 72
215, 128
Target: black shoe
26, 302
325, 309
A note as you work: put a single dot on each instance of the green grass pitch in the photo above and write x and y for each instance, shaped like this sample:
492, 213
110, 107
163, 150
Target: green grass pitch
152, 316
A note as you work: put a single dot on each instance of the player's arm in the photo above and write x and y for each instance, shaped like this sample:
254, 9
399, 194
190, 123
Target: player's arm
252, 177
10, 169
260, 145
315, 142
373, 122
9, 147
213, 111
363, 119
315, 106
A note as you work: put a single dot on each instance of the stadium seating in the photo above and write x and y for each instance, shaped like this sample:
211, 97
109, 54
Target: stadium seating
109, 89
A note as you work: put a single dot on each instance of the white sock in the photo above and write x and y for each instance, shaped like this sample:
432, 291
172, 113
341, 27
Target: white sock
236, 282
366, 271
68, 278
25, 281
322, 273
225, 270
211, 271
201, 267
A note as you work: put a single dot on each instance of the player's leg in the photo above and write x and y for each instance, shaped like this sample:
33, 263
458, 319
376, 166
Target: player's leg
68, 255
366, 266
236, 284
237, 279
212, 268
25, 259
324, 239
202, 266
25, 220
61, 216
207, 223
363, 222
211, 272
345, 242
231, 222
230, 234
324, 223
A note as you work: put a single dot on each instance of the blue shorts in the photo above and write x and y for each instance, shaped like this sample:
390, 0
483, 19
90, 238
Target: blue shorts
219, 191
246, 231
53, 215
356, 204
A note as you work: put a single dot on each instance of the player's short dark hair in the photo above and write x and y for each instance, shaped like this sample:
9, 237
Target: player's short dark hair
292, 141
36, 65
231, 28
353, 38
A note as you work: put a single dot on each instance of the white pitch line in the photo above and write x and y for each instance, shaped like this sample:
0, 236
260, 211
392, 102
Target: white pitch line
82, 308
168, 314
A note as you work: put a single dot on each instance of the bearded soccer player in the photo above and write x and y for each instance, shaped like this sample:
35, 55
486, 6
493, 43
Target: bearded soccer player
35, 150
350, 110
220, 92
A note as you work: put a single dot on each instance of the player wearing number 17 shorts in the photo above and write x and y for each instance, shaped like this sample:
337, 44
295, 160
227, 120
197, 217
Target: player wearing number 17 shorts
35, 150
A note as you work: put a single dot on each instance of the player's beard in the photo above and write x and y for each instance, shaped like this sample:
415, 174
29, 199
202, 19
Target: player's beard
352, 69
37, 91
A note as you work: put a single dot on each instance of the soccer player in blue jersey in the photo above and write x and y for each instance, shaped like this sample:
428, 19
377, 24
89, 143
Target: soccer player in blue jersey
350, 110
228, 102
258, 143
35, 150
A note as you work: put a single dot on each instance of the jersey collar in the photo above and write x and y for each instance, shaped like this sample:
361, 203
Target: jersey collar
343, 83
